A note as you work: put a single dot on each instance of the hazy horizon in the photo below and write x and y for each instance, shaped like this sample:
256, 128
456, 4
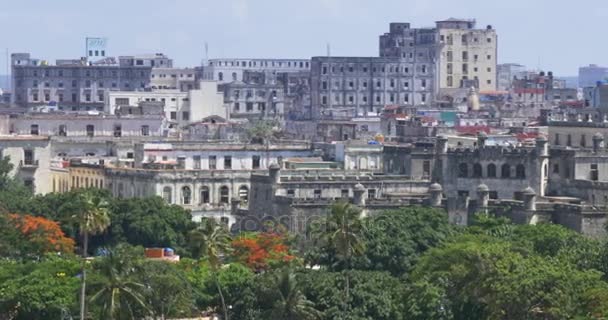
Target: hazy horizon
541, 34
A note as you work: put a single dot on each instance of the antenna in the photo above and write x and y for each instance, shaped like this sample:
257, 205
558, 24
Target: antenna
206, 53
8, 78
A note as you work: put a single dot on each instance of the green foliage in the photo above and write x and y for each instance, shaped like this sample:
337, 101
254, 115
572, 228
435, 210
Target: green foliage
373, 294
42, 289
168, 293
14, 195
150, 222
395, 239
484, 278
285, 298
261, 131
117, 293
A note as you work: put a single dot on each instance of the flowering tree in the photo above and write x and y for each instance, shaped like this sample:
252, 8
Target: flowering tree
262, 250
42, 235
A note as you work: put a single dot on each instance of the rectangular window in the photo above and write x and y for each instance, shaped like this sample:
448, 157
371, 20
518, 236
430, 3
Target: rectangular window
34, 129
317, 193
28, 157
181, 162
145, 130
196, 162
344, 193
186, 116
212, 162
255, 162
371, 193
173, 115
117, 130
227, 162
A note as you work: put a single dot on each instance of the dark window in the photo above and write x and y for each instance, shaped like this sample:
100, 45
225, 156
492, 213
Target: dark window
491, 171
477, 170
227, 162
371, 193
224, 195
186, 116
317, 193
556, 168
28, 157
90, 130
505, 171
186, 195
520, 171
463, 170
205, 195
594, 172
145, 130
34, 130
255, 162
117, 130
173, 115
63, 130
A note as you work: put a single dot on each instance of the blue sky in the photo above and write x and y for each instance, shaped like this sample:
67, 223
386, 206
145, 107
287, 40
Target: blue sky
558, 35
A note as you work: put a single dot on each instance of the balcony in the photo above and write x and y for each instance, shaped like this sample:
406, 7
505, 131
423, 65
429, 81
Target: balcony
28, 164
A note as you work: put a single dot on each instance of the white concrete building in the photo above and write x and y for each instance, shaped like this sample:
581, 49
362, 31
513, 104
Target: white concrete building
180, 107
31, 160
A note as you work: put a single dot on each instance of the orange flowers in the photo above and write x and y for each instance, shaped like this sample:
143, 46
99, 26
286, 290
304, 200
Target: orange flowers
43, 235
260, 251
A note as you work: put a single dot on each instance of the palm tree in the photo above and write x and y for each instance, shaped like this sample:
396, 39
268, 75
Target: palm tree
291, 303
118, 293
343, 235
212, 240
93, 219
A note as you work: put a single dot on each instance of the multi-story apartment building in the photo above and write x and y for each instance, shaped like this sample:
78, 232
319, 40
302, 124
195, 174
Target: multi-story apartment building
506, 73
182, 79
459, 55
228, 70
180, 107
256, 98
344, 87
76, 84
589, 75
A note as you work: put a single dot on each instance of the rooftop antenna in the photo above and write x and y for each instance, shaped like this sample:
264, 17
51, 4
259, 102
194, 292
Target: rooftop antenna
8, 81
206, 53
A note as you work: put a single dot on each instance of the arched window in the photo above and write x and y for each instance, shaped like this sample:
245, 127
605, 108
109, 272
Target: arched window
505, 171
205, 194
220, 76
463, 170
491, 171
167, 194
186, 195
244, 193
234, 76
477, 170
520, 171
224, 195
